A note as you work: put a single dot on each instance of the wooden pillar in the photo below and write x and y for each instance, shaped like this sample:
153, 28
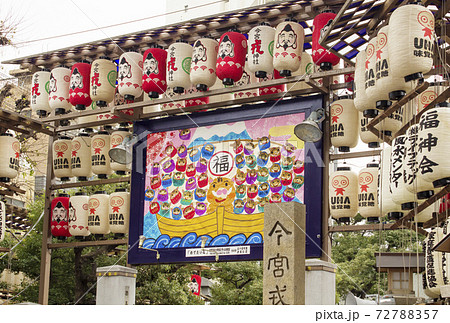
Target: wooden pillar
44, 282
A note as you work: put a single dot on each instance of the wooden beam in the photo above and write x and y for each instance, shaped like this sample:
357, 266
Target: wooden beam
88, 244
122, 179
388, 5
8, 116
13, 188
358, 154
374, 227
2, 249
441, 217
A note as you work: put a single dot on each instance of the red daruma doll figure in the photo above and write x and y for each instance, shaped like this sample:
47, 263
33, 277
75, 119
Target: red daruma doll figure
322, 57
79, 90
231, 57
60, 216
154, 72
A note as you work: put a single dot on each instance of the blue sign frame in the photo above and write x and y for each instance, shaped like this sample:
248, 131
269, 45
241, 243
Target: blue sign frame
313, 195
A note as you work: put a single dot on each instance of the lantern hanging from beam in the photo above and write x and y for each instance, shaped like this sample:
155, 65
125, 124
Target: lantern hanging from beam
365, 134
306, 68
103, 81
231, 57
175, 100
274, 88
79, 88
260, 50
321, 56
361, 100
196, 101
398, 187
426, 215
117, 138
179, 57
411, 41
9, 157
154, 80
59, 223
247, 78
129, 78
428, 96
62, 151
387, 205
390, 125
344, 124
221, 97
343, 191
119, 212
369, 79
98, 221
58, 98
433, 145
288, 47
433, 263
81, 156
40, 92
101, 162
368, 193
203, 64
78, 215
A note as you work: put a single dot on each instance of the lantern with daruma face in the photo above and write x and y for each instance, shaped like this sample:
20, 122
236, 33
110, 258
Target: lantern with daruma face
58, 98
81, 156
247, 78
154, 80
288, 47
117, 138
231, 57
275, 75
344, 124
59, 223
9, 157
103, 81
98, 221
411, 41
203, 64
101, 162
62, 151
78, 215
343, 191
196, 101
179, 57
260, 50
321, 56
129, 78
79, 88
119, 211
368, 193
39, 93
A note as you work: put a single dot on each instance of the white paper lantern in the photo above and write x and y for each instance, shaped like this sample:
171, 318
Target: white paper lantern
103, 81
426, 215
2, 220
78, 215
344, 124
260, 50
101, 162
288, 47
119, 212
400, 194
415, 184
179, 56
433, 147
62, 152
221, 97
9, 157
39, 93
58, 97
367, 193
307, 67
98, 221
361, 101
247, 78
369, 79
367, 136
390, 125
117, 138
129, 77
433, 263
411, 41
81, 157
203, 64
428, 96
387, 205
176, 103
343, 192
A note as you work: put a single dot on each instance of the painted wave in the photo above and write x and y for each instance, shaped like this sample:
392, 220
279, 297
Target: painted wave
192, 240
216, 138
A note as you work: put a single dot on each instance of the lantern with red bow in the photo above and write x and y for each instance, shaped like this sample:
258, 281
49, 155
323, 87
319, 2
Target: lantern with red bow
130, 75
231, 57
321, 56
62, 150
81, 156
343, 191
344, 124
203, 64
260, 50
39, 93
117, 138
119, 212
154, 74
101, 162
103, 81
367, 193
79, 89
179, 59
59, 223
288, 47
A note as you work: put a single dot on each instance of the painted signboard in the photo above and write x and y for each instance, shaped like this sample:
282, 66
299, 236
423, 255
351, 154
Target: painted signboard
201, 189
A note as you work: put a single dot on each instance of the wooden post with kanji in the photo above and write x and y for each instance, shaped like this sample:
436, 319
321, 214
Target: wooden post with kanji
284, 254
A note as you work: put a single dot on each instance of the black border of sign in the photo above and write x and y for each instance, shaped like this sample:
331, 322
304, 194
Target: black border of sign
313, 176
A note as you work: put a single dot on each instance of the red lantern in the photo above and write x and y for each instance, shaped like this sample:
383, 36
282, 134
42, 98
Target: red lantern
60, 216
321, 56
154, 73
274, 88
231, 57
79, 94
197, 101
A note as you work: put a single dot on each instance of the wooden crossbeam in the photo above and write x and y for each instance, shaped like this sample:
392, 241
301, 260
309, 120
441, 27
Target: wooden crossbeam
441, 217
122, 179
374, 227
17, 119
359, 154
98, 243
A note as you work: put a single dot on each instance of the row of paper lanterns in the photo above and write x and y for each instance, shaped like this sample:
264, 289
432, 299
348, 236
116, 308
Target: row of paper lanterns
85, 155
411, 171
99, 214
180, 67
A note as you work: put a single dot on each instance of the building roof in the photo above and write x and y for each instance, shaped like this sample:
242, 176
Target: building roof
406, 260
